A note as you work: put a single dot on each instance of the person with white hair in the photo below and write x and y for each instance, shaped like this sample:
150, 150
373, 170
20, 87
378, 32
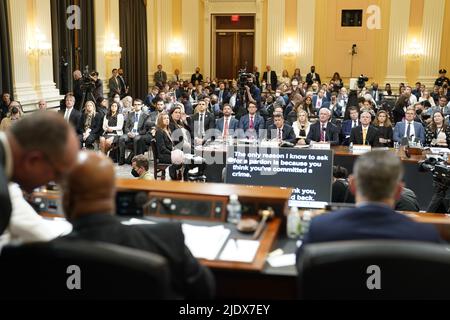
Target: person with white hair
323, 131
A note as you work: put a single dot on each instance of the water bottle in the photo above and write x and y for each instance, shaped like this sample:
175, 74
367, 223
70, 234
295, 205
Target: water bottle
234, 210
350, 147
306, 220
293, 226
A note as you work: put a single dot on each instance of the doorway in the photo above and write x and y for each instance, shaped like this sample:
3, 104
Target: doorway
234, 46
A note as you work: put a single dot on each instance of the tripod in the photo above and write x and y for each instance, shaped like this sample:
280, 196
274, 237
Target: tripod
87, 96
353, 53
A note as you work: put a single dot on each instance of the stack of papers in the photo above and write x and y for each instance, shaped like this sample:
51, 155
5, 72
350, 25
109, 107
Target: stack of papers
205, 242
240, 250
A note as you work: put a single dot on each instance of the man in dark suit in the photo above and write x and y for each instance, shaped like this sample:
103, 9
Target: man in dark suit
377, 184
376, 94
77, 92
227, 125
409, 128
222, 94
271, 78
365, 134
281, 131
33, 152
323, 131
320, 100
313, 77
134, 131
160, 76
89, 198
201, 124
252, 124
348, 125
71, 115
197, 77
123, 83
114, 84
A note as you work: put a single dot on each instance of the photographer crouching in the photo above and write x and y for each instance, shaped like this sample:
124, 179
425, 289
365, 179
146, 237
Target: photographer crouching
248, 93
441, 182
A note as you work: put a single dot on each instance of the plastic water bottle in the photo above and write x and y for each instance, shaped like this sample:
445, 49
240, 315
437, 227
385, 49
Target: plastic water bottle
350, 147
306, 220
234, 210
293, 226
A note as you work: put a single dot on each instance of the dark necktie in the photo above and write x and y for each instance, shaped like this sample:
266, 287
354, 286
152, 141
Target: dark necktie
408, 130
322, 134
280, 136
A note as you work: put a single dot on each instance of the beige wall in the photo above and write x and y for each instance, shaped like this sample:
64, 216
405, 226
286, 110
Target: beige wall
445, 49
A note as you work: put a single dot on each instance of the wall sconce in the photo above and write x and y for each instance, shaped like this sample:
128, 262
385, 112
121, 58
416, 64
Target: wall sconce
39, 45
414, 50
290, 49
112, 47
176, 49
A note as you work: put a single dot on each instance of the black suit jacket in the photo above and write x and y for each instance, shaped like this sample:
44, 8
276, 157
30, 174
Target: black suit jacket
78, 94
309, 79
196, 77
288, 133
74, 118
114, 87
96, 125
189, 279
209, 122
164, 146
372, 138
273, 79
5, 203
142, 129
331, 135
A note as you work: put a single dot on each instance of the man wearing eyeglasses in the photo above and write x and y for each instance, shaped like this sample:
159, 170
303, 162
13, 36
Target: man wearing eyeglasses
36, 150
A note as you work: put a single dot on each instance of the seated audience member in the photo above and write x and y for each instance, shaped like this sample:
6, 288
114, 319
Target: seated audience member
252, 124
323, 131
427, 97
301, 127
140, 165
320, 101
400, 108
348, 125
280, 130
42, 105
408, 201
201, 123
437, 133
71, 115
4, 104
36, 150
26, 225
134, 131
102, 107
340, 190
384, 127
128, 107
409, 128
164, 144
90, 126
113, 128
89, 197
10, 120
227, 125
365, 134
377, 186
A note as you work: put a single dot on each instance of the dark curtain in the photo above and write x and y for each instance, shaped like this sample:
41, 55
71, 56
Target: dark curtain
133, 40
6, 81
72, 49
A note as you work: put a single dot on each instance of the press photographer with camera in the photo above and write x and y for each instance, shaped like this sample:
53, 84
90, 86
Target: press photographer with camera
362, 81
248, 92
441, 181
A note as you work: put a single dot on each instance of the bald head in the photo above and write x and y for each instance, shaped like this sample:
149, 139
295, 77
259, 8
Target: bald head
90, 187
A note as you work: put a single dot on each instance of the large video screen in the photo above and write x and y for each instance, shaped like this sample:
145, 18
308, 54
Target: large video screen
309, 172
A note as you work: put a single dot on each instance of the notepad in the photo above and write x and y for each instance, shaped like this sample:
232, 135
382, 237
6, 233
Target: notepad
240, 250
205, 242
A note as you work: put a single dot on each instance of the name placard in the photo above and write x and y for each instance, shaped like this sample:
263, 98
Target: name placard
321, 146
360, 149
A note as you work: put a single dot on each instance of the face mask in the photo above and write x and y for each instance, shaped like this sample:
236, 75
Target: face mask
419, 112
135, 174
295, 83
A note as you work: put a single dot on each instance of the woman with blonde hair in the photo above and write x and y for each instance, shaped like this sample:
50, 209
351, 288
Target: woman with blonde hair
90, 126
301, 126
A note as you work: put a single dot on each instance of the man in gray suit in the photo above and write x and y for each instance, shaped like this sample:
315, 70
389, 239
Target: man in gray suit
114, 84
160, 76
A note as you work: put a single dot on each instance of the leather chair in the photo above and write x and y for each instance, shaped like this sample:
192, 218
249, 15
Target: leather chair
159, 169
408, 270
42, 271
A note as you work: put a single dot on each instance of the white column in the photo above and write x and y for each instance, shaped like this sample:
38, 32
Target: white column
275, 34
433, 20
151, 40
207, 39
258, 36
46, 87
306, 19
101, 14
22, 77
398, 37
164, 35
190, 36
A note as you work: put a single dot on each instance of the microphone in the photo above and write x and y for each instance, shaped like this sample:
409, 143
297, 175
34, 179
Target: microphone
354, 50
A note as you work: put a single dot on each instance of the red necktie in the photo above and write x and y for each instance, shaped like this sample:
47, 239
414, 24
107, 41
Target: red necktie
225, 128
252, 124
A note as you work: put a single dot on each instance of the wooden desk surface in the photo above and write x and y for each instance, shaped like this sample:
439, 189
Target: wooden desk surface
217, 189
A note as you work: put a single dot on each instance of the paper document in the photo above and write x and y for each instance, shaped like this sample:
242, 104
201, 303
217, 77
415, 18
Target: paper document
205, 242
439, 150
285, 260
240, 250
134, 221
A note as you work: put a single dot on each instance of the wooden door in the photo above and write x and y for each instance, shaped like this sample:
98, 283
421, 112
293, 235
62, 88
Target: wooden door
234, 51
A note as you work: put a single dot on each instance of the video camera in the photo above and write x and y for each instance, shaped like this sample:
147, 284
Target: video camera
362, 81
87, 81
243, 76
437, 165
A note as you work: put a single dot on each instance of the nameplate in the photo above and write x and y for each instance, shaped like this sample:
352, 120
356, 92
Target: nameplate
321, 146
360, 149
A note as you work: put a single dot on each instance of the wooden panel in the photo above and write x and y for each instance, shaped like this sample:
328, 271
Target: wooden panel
224, 55
244, 23
246, 51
